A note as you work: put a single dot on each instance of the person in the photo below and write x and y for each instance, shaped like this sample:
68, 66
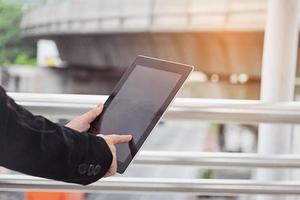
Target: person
36, 146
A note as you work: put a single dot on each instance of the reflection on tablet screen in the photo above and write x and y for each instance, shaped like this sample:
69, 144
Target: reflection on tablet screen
136, 104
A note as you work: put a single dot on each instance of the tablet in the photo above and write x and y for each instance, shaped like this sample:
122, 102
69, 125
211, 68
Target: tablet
138, 102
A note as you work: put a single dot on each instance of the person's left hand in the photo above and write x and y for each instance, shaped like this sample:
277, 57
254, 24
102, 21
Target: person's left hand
82, 123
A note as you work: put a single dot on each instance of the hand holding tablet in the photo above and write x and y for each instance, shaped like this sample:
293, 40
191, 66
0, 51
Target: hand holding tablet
111, 141
138, 102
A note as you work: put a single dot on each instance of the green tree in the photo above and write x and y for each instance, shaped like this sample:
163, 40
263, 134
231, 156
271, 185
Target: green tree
11, 45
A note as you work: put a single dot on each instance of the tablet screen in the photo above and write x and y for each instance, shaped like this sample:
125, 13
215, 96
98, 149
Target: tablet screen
136, 105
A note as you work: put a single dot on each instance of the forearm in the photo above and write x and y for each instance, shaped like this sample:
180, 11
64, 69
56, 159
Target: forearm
36, 146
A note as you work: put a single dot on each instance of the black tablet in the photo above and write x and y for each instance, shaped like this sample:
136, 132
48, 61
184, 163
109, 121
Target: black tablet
138, 102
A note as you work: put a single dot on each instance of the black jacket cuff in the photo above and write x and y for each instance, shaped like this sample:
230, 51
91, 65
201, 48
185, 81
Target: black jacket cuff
96, 162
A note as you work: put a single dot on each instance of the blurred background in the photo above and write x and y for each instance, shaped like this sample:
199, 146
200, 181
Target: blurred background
84, 46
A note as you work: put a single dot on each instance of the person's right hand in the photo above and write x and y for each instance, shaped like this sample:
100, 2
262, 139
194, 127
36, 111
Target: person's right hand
111, 141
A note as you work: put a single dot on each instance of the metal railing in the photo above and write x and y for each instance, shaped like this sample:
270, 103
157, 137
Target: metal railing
153, 185
217, 160
241, 111
67, 106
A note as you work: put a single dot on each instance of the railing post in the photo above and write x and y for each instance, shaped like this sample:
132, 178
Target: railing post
278, 80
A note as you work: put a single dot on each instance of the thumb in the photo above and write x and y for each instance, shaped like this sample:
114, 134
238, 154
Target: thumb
89, 116
117, 139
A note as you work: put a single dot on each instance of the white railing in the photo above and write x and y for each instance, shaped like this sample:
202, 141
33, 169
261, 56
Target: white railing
242, 111
153, 185
67, 106
217, 160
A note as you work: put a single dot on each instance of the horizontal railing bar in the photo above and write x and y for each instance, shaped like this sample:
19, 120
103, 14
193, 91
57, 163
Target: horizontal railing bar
153, 185
217, 160
241, 111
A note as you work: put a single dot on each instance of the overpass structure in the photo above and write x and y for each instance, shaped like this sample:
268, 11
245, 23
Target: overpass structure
110, 33
127, 16
215, 36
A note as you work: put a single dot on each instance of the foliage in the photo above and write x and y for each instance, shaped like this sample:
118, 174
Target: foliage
207, 174
24, 59
11, 46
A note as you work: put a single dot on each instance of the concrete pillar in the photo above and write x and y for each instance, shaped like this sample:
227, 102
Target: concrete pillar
278, 81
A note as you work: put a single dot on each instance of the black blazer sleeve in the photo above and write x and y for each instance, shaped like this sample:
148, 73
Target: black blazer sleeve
36, 146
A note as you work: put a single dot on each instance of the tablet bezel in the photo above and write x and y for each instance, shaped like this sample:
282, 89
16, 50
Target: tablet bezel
182, 69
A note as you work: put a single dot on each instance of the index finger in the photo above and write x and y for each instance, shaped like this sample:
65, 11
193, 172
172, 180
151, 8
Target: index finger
117, 139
